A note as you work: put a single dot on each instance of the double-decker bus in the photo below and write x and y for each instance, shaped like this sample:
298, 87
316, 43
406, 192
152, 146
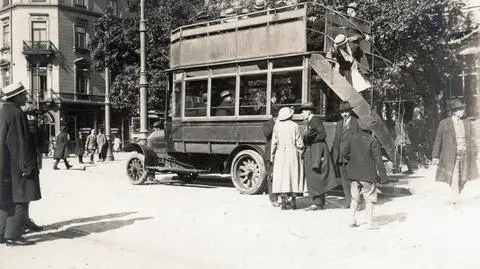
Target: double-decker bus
263, 60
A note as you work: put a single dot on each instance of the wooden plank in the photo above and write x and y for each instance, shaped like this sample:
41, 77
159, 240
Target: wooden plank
346, 92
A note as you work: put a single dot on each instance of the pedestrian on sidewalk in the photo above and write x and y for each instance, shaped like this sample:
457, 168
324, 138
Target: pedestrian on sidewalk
91, 144
19, 171
453, 151
268, 132
61, 148
364, 166
286, 155
318, 164
80, 147
345, 128
102, 146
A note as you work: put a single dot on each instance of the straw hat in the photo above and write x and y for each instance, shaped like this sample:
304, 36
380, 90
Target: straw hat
259, 5
353, 5
12, 90
340, 39
285, 113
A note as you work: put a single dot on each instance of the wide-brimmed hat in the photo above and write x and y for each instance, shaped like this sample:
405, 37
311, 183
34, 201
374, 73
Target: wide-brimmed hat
225, 93
353, 5
259, 5
307, 106
344, 106
12, 90
285, 113
366, 123
340, 39
456, 104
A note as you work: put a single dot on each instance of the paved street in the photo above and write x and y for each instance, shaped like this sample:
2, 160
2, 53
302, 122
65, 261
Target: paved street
97, 219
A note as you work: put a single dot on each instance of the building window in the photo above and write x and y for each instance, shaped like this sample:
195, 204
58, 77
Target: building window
6, 3
39, 31
80, 37
6, 36
5, 76
80, 3
82, 78
114, 6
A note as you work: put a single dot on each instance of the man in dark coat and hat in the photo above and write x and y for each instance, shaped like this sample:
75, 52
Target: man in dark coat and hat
319, 168
226, 107
454, 150
345, 128
61, 148
19, 171
364, 168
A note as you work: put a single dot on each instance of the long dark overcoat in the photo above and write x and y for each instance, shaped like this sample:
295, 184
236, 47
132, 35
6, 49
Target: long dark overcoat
79, 145
340, 141
319, 168
61, 146
445, 149
19, 181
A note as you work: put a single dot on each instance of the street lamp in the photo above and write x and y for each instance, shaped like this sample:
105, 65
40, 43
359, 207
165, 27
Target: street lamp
107, 115
143, 78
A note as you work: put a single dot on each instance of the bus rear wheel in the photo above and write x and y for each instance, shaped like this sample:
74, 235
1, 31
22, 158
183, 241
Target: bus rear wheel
248, 172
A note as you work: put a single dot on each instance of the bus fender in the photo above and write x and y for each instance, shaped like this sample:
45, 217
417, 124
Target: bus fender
239, 148
147, 152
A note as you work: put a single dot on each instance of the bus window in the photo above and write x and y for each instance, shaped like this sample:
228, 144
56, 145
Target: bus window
196, 98
223, 96
176, 100
318, 89
286, 90
253, 94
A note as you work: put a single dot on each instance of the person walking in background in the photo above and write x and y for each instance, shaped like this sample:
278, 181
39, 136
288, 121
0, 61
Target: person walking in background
364, 160
102, 146
286, 152
91, 144
80, 146
345, 128
117, 143
453, 151
319, 169
19, 171
61, 148
268, 132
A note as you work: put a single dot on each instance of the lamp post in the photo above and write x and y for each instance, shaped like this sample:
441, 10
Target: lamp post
143, 78
107, 115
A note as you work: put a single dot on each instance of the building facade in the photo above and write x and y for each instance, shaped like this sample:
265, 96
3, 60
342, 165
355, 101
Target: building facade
44, 45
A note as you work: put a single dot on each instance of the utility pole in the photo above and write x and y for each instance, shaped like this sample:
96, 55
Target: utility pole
143, 77
107, 115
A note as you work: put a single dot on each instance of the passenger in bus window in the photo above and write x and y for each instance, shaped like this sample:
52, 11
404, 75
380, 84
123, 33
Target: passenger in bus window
226, 107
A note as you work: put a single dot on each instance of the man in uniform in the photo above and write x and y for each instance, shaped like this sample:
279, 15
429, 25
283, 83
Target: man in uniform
346, 127
19, 171
226, 107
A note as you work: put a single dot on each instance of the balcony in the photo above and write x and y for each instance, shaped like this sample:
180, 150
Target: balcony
38, 48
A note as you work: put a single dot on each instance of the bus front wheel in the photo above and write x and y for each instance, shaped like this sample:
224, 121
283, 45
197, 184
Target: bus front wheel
248, 172
136, 169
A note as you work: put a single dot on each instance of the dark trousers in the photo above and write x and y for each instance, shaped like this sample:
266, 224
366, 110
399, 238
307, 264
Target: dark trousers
58, 160
269, 167
80, 158
345, 183
319, 200
12, 219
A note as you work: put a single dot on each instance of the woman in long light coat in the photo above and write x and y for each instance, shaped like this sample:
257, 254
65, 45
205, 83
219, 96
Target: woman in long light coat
286, 155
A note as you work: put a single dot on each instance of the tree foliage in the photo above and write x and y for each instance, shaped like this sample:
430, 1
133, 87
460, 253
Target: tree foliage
116, 44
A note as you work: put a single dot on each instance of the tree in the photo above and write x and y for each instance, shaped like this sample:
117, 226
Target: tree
116, 44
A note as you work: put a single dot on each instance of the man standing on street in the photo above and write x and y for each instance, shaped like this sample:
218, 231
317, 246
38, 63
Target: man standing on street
61, 148
319, 169
454, 151
345, 128
91, 144
19, 172
102, 146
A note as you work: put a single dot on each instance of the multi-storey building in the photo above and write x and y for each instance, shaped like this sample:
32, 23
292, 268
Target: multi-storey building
44, 45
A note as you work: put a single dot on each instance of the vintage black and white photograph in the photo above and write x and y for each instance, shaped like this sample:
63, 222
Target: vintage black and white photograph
239, 134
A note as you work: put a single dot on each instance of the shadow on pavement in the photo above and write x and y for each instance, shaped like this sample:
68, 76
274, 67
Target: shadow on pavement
202, 182
84, 230
58, 225
382, 220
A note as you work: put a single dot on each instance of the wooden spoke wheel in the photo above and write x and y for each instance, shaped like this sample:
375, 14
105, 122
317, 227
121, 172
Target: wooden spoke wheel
187, 177
136, 169
248, 172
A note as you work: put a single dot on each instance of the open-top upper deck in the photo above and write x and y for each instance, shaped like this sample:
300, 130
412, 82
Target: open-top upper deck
287, 30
